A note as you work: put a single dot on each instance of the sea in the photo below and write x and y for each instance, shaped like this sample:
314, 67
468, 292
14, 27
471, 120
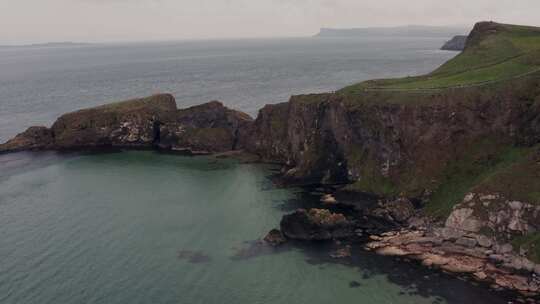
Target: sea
147, 227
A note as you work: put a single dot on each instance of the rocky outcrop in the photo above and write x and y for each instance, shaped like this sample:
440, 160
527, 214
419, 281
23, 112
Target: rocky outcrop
457, 43
35, 138
152, 122
204, 128
316, 225
464, 255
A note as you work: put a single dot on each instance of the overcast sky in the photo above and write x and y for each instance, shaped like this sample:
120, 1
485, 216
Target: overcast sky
33, 21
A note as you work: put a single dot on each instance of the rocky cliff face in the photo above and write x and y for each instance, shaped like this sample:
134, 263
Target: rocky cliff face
457, 43
388, 144
141, 123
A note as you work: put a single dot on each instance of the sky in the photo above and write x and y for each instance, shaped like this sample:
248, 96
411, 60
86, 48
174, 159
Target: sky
38, 21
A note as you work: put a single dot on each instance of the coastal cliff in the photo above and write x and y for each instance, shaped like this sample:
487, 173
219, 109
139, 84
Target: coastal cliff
457, 43
152, 122
451, 157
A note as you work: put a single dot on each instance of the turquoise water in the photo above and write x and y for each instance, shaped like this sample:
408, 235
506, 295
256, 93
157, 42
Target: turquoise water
144, 227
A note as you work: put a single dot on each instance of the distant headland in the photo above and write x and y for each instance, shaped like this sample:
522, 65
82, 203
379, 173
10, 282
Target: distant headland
47, 45
409, 30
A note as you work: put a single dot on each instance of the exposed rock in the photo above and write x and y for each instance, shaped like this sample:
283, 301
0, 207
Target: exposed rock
399, 210
316, 225
34, 138
467, 242
463, 219
328, 199
457, 43
484, 241
459, 258
140, 123
275, 238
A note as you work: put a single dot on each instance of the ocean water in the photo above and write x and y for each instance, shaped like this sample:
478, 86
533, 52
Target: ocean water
146, 227
39, 84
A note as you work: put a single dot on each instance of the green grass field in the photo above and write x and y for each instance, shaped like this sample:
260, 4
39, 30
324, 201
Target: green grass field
496, 53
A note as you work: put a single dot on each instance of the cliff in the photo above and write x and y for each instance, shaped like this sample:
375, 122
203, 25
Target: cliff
152, 122
457, 43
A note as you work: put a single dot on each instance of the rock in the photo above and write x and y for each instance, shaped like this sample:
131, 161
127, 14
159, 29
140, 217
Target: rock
430, 259
467, 242
34, 138
392, 251
515, 205
316, 225
328, 199
463, 264
481, 276
463, 219
140, 123
484, 241
451, 233
399, 210
275, 238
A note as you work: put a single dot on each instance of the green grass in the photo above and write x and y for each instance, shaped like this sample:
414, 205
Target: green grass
531, 243
513, 51
480, 162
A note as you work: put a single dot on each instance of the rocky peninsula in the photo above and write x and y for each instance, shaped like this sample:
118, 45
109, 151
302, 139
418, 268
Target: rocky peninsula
450, 160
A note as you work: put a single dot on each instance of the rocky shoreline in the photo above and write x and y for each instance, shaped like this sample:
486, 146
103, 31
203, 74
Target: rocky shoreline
397, 229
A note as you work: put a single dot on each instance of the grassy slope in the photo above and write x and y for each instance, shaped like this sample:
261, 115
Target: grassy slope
502, 52
498, 58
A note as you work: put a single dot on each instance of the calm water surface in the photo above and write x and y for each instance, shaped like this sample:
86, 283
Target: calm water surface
143, 227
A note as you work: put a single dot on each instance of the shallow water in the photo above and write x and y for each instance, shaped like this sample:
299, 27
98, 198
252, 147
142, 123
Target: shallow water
144, 227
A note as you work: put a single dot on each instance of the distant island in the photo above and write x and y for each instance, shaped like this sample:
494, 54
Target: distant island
47, 44
409, 30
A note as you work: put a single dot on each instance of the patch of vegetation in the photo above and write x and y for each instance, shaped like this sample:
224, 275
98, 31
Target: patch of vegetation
476, 164
531, 243
519, 181
371, 180
502, 53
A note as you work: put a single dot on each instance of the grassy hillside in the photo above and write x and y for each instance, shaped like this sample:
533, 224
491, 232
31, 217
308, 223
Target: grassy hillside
494, 52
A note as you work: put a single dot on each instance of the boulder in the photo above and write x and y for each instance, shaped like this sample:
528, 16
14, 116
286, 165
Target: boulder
316, 225
275, 238
463, 219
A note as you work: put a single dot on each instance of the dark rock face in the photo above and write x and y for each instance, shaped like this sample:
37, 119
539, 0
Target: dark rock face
379, 146
206, 128
457, 43
35, 138
125, 124
316, 225
140, 123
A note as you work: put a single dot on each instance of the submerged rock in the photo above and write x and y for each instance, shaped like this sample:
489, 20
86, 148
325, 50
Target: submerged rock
275, 238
